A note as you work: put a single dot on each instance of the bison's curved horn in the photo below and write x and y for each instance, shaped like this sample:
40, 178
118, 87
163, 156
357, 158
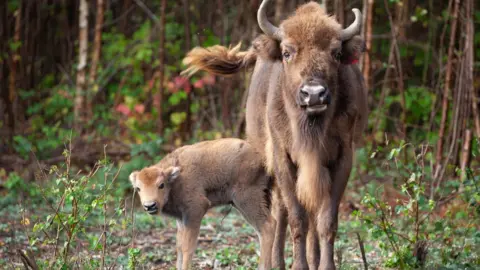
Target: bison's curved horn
354, 28
268, 28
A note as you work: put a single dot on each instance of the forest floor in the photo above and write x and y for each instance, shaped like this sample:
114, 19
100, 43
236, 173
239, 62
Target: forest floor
62, 218
226, 241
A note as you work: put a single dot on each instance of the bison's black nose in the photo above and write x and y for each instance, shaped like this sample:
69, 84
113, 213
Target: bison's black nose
150, 207
313, 95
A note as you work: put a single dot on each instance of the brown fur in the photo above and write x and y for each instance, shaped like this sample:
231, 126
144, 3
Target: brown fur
311, 157
218, 60
208, 174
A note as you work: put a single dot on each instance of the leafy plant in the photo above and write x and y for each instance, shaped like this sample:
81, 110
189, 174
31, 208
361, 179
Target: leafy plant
408, 230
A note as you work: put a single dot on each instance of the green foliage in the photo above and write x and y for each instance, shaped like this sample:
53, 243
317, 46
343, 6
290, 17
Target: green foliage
76, 202
408, 229
133, 254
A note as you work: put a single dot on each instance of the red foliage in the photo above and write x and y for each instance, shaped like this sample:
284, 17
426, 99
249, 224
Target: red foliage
209, 79
178, 83
140, 108
199, 84
123, 109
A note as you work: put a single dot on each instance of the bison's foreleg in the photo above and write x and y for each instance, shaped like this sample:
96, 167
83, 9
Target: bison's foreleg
327, 218
285, 172
280, 213
313, 246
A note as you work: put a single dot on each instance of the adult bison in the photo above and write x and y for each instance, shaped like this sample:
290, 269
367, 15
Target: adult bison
306, 109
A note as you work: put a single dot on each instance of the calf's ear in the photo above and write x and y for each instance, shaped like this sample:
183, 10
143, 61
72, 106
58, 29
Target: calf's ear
352, 49
173, 173
133, 178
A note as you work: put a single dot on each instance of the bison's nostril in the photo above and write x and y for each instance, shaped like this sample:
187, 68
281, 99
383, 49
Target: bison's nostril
150, 206
304, 93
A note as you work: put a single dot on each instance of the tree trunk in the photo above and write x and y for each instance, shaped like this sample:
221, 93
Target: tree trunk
402, 18
97, 48
14, 65
161, 68
446, 90
340, 11
226, 83
470, 36
188, 45
330, 6
79, 110
466, 156
368, 42
279, 10
125, 12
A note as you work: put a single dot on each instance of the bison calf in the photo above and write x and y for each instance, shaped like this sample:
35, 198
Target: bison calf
195, 178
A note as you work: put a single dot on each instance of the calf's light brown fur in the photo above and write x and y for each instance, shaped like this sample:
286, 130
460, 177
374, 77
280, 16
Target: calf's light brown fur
195, 178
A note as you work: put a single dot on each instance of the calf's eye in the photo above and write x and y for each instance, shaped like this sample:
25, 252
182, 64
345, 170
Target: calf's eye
137, 189
286, 56
162, 185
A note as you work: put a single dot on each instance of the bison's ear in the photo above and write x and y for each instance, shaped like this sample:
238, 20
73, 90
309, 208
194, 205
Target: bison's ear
267, 48
172, 173
352, 49
133, 178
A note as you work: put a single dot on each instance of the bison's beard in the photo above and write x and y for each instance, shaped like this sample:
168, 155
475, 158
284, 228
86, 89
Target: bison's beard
312, 128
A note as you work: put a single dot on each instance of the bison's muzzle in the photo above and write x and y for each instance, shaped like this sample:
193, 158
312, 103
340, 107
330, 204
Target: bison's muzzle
314, 98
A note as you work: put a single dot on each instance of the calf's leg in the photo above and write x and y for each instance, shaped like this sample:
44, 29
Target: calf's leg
180, 231
191, 222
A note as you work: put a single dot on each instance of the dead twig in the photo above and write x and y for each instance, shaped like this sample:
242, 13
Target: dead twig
28, 259
362, 250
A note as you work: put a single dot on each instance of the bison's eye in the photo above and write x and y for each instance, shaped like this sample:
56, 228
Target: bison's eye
337, 55
162, 185
286, 56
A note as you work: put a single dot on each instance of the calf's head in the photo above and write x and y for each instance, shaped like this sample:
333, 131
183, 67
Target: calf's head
153, 185
313, 46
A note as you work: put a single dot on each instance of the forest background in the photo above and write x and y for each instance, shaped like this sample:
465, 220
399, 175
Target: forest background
91, 90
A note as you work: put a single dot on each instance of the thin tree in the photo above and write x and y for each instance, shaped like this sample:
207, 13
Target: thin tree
470, 35
188, 46
368, 42
226, 84
79, 106
161, 67
340, 11
14, 65
125, 11
279, 9
446, 89
97, 48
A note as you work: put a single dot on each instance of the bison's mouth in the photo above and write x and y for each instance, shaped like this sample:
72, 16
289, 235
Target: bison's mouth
152, 211
316, 109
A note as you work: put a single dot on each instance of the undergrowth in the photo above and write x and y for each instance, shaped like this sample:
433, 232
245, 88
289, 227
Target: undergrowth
86, 219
